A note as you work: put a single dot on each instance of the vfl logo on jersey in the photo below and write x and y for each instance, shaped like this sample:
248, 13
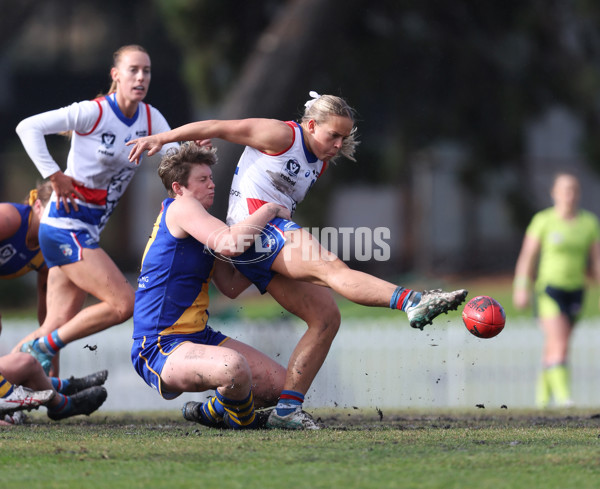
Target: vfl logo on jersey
66, 249
108, 139
292, 167
6, 253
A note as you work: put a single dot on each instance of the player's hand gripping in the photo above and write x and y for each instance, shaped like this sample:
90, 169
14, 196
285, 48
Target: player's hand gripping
64, 187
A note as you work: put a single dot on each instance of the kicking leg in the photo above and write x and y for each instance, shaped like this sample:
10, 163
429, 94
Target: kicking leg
303, 258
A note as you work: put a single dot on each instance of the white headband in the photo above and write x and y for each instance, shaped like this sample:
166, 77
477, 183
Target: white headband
315, 96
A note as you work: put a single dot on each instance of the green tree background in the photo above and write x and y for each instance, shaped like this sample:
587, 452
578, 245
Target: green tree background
475, 73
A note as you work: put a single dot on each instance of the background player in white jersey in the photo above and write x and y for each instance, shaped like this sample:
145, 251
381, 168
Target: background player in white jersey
98, 172
282, 160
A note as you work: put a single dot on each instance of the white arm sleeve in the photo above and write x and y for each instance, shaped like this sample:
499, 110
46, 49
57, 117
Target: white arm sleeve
80, 116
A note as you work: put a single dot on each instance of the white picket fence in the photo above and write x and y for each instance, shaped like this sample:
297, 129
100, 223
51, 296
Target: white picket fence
372, 364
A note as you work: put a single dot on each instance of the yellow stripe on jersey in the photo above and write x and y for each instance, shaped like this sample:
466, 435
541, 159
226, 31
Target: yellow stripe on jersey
152, 235
34, 264
195, 317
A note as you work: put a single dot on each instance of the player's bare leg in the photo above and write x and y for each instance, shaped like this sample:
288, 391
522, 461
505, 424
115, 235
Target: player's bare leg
95, 274
314, 305
63, 301
25, 370
555, 374
303, 258
268, 376
197, 368
317, 308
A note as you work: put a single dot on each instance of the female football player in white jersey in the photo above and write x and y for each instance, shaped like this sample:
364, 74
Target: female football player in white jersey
97, 173
280, 163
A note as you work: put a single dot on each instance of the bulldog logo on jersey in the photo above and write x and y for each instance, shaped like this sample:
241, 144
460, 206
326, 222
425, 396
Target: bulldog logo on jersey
66, 249
108, 139
292, 167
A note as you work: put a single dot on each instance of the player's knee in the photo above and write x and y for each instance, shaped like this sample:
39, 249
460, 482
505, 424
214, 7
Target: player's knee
24, 362
328, 321
124, 308
236, 372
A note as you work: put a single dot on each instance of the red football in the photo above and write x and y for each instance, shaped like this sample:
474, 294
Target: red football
484, 317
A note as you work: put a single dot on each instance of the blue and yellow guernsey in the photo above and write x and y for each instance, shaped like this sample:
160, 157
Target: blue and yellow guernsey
172, 294
15, 258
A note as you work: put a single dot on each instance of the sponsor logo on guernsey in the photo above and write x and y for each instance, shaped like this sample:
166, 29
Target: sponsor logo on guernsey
288, 180
142, 281
66, 249
108, 141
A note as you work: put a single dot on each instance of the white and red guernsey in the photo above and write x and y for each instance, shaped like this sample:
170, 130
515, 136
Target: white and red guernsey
283, 178
98, 156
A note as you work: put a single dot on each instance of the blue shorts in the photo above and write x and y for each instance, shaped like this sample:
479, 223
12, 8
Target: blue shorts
255, 264
149, 354
64, 246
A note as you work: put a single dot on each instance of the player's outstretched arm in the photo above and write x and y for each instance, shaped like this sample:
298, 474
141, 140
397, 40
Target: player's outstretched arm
189, 216
268, 135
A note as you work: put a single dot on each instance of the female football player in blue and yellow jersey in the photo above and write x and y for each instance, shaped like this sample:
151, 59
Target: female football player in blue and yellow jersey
19, 245
174, 348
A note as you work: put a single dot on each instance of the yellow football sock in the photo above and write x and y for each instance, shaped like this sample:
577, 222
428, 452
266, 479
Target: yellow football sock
560, 385
542, 391
5, 387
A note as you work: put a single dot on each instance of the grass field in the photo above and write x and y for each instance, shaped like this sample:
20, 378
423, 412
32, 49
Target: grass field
471, 448
441, 449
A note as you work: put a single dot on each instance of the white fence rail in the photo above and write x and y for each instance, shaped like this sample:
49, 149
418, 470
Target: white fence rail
371, 364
